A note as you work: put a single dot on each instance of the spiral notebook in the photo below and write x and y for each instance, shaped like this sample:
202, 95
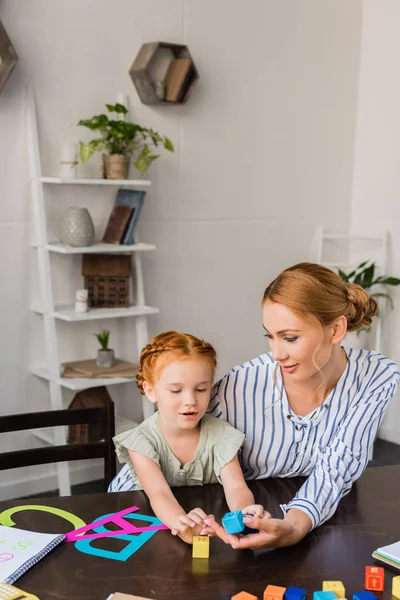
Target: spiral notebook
21, 549
389, 554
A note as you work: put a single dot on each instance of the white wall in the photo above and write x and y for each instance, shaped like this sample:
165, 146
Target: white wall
376, 191
264, 152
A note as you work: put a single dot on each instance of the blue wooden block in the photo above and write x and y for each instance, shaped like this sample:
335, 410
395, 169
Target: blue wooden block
233, 522
364, 595
295, 593
328, 595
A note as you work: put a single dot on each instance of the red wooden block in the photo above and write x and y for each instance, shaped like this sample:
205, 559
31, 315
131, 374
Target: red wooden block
244, 596
274, 592
374, 579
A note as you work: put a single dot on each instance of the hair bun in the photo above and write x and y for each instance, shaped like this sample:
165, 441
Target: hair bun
361, 307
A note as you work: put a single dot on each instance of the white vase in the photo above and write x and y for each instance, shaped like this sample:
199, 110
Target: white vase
77, 228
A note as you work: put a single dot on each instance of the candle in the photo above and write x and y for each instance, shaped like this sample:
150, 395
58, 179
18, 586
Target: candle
81, 301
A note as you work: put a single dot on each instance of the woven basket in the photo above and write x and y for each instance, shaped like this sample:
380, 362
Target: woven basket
115, 166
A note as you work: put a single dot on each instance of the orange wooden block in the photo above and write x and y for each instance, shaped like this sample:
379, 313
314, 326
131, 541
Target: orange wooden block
244, 596
374, 579
274, 592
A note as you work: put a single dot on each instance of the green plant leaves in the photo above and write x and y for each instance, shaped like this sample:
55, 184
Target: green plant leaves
364, 275
123, 137
103, 338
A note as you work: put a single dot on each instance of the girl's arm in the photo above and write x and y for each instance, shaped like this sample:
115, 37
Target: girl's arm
162, 500
237, 494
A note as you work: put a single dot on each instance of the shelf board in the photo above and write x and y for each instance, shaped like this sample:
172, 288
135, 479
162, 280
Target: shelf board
81, 383
96, 181
99, 248
46, 434
67, 312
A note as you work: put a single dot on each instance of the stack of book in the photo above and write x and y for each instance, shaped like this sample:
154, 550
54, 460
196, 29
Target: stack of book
389, 555
178, 79
89, 368
124, 217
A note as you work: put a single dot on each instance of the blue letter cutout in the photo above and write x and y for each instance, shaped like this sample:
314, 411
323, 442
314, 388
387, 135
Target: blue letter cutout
136, 540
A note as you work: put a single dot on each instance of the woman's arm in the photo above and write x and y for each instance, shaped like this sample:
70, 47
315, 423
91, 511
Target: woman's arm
162, 500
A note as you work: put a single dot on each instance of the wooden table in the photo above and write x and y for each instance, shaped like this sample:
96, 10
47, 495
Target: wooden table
163, 568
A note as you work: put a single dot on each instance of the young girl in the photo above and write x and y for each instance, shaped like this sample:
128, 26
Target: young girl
181, 445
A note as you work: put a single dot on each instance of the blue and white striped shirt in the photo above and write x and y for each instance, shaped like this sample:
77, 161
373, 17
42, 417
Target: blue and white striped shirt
331, 445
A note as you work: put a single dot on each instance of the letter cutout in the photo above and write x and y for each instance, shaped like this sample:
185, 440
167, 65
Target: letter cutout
5, 516
135, 541
116, 518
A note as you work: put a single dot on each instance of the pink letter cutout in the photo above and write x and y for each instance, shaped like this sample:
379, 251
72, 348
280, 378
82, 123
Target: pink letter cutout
126, 527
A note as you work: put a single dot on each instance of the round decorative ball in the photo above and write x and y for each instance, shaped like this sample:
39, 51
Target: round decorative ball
77, 228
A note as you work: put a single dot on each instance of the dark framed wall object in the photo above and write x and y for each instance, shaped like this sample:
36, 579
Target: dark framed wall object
163, 73
8, 56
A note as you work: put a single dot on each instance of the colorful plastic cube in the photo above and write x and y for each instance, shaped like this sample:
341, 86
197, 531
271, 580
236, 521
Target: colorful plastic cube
201, 546
374, 579
244, 596
396, 587
295, 593
233, 522
334, 586
324, 595
364, 596
274, 592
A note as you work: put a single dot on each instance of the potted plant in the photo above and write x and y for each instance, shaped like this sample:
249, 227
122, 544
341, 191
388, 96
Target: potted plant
365, 276
105, 356
122, 141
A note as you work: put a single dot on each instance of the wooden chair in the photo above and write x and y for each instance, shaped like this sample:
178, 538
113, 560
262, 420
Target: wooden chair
53, 454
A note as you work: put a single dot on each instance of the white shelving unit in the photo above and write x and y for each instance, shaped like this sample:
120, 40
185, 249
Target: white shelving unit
51, 313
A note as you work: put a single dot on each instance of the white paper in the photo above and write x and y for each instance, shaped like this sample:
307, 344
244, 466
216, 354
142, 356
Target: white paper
18, 546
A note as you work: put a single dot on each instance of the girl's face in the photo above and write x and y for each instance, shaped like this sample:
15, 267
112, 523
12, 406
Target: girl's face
293, 341
182, 392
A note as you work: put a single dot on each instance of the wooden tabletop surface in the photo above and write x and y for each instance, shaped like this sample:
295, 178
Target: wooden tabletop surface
163, 569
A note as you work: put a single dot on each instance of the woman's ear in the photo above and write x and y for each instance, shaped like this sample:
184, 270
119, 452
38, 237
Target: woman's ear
149, 391
339, 330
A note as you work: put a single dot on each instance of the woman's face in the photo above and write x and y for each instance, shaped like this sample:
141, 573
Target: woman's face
293, 341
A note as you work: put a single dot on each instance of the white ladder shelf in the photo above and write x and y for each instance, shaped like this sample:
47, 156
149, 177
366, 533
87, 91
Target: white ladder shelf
51, 313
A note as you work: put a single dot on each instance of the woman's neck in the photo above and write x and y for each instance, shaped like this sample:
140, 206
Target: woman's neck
316, 388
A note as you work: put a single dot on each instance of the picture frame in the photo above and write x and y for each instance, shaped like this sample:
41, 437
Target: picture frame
8, 56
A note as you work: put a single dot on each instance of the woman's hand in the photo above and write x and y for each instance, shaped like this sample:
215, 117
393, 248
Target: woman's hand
190, 525
273, 533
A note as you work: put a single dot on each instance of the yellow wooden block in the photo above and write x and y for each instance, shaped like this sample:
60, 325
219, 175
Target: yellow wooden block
201, 546
396, 587
334, 586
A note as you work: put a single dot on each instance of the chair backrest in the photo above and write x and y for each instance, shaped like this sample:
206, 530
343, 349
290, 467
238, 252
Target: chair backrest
53, 454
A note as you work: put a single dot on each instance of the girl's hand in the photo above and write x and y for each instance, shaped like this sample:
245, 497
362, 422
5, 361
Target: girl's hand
255, 510
190, 524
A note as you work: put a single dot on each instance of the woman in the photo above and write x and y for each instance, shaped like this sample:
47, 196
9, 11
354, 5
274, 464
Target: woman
309, 407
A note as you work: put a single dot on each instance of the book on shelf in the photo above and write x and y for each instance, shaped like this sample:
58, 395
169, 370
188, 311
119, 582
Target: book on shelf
117, 224
90, 369
26, 548
177, 78
134, 199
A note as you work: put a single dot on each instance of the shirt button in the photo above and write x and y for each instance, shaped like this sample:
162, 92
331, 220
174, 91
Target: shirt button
289, 416
298, 427
182, 473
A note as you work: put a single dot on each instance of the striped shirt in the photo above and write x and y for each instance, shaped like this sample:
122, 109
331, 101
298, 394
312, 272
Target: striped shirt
330, 446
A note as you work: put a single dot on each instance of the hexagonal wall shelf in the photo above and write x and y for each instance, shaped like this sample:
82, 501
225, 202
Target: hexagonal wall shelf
8, 56
163, 73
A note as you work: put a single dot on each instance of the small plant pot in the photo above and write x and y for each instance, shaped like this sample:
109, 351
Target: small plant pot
105, 358
115, 166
